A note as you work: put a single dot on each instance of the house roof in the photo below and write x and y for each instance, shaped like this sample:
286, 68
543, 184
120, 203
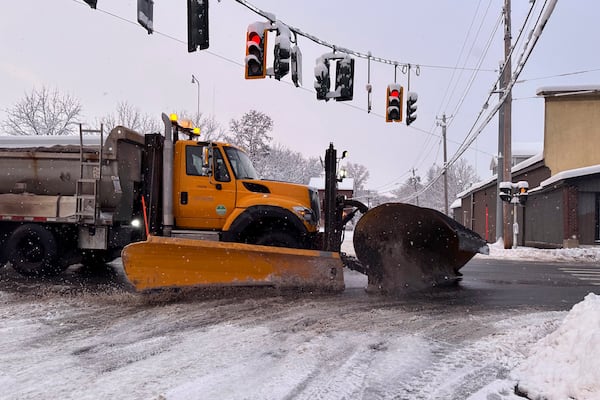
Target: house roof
574, 90
319, 183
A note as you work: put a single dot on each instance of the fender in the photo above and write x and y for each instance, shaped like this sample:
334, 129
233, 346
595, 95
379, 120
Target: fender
255, 214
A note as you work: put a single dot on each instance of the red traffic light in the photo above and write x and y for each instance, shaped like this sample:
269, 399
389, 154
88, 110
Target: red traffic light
394, 93
254, 37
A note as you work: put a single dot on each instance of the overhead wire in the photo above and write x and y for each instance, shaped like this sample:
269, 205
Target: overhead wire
535, 34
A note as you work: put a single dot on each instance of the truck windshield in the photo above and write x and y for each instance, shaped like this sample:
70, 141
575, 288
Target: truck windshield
241, 164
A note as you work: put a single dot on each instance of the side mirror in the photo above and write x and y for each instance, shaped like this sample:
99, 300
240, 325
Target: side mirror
205, 157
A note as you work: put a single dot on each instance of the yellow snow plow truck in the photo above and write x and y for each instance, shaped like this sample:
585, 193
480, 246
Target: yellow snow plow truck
209, 220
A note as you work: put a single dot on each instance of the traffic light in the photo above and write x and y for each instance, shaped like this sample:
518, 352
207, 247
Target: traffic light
411, 108
344, 79
145, 14
505, 191
256, 42
522, 194
197, 12
282, 51
92, 3
296, 65
393, 110
322, 83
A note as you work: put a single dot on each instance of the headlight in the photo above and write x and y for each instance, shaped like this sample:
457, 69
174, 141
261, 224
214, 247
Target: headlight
305, 213
136, 223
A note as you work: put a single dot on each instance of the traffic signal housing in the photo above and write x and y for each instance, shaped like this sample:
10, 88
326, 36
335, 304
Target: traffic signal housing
256, 43
393, 110
92, 3
322, 78
505, 191
146, 14
522, 187
197, 25
411, 107
344, 79
282, 51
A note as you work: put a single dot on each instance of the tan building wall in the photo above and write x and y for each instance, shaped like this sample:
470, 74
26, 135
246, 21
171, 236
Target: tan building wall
572, 131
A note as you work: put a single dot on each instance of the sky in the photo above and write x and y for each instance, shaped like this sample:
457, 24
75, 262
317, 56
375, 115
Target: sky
103, 57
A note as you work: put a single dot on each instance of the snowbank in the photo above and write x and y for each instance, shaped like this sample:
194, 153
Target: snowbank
566, 363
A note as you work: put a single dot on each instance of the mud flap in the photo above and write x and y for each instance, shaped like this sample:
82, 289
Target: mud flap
405, 247
165, 262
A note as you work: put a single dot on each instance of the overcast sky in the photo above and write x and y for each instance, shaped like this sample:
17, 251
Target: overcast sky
103, 57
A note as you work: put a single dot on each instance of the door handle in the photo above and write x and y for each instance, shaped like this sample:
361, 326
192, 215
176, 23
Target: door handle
183, 198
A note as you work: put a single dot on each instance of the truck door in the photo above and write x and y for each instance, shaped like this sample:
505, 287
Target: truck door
205, 189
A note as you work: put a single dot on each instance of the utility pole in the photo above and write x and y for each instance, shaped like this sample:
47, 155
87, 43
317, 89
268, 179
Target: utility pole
414, 180
445, 165
503, 168
507, 151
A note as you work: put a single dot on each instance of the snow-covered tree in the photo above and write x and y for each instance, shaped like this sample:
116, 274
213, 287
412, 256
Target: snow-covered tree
359, 173
459, 176
283, 164
251, 133
43, 112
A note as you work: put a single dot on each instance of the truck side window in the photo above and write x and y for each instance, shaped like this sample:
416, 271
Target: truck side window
221, 173
193, 161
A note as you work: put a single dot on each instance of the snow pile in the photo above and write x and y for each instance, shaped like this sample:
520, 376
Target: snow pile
566, 363
580, 254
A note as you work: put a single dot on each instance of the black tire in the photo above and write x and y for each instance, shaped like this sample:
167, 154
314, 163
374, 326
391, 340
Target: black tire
96, 258
278, 239
32, 251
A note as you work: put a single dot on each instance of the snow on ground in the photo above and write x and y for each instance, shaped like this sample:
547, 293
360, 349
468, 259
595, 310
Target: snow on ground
76, 343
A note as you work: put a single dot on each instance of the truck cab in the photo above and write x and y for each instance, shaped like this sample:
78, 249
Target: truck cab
217, 192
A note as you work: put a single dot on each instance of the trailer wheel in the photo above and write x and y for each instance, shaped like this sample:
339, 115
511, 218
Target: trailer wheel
278, 239
32, 251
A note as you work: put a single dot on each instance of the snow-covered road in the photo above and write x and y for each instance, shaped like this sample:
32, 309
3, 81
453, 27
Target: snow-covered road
93, 341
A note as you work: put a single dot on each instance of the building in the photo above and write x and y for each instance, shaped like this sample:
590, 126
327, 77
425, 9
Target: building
345, 188
563, 209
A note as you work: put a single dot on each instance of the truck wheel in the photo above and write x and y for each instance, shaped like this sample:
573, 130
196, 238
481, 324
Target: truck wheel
278, 239
32, 251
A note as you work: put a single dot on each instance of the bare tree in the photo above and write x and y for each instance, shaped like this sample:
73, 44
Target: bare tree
359, 173
461, 175
251, 133
43, 112
210, 128
130, 117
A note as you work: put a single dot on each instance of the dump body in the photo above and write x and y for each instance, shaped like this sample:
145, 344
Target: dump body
69, 202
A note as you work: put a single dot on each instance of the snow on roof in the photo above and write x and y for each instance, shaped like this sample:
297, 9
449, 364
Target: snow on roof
456, 204
571, 173
526, 148
567, 90
319, 183
518, 167
47, 140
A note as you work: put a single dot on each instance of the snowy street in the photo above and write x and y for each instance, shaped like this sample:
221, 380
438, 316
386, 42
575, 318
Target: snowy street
96, 340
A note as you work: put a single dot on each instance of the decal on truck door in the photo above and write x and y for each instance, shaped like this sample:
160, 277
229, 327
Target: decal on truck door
221, 210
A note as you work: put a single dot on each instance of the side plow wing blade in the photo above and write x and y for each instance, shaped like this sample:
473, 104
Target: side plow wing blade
405, 247
165, 262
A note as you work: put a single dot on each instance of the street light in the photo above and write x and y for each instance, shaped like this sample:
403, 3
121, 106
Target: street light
195, 80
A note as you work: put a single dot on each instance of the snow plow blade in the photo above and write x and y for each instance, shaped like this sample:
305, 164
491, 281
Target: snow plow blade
405, 247
166, 262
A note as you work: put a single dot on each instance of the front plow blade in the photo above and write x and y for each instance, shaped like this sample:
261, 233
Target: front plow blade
165, 262
405, 247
